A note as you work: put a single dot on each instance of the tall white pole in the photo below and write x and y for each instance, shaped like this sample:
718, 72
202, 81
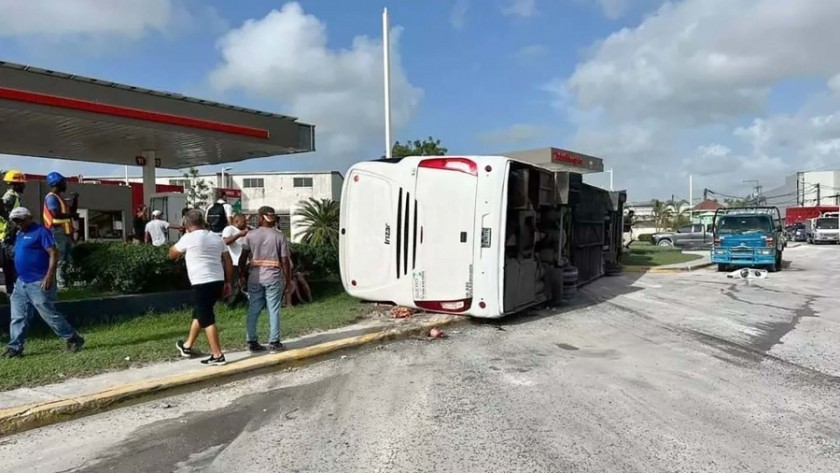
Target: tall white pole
126, 175
690, 191
386, 56
222, 184
611, 179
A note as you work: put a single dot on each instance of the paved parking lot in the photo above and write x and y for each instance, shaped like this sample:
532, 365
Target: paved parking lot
649, 373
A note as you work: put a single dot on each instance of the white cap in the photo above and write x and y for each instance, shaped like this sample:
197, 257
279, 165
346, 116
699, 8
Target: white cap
156, 213
19, 212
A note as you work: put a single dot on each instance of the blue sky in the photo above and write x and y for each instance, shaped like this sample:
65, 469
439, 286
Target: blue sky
658, 89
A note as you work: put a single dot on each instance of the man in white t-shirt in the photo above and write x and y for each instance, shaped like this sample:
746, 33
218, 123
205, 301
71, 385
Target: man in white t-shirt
211, 272
157, 230
233, 235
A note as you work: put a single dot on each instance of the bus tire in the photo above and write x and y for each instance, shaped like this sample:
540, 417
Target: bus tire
570, 275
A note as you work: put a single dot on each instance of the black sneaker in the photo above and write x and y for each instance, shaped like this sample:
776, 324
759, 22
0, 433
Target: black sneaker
186, 352
12, 353
274, 347
76, 343
255, 347
220, 361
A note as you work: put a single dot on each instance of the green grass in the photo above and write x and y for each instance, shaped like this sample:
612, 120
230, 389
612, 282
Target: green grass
69, 294
645, 254
151, 338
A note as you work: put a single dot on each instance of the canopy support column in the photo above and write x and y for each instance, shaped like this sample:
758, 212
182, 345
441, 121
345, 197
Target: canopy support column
149, 182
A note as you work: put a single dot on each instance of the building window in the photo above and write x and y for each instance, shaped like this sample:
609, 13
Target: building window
185, 183
303, 182
253, 183
284, 223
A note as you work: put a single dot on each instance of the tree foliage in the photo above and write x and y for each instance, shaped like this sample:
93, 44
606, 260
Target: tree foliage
198, 192
427, 147
661, 214
319, 220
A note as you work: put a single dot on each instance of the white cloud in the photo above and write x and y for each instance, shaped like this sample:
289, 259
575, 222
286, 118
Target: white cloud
517, 134
128, 19
458, 13
284, 58
523, 8
651, 98
699, 61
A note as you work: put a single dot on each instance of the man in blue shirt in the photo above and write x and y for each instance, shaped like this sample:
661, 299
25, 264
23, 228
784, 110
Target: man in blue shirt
36, 260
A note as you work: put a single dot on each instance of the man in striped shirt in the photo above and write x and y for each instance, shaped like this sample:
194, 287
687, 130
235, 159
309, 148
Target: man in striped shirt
266, 280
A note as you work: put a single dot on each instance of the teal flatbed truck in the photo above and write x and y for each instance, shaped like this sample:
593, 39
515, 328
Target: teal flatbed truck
750, 237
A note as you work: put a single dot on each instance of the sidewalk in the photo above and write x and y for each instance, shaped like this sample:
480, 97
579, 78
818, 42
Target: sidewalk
80, 387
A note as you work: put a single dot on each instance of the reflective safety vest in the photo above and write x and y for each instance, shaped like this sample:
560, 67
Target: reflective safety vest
51, 222
4, 225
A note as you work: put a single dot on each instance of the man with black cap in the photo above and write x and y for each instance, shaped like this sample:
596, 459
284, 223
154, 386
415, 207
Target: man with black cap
270, 270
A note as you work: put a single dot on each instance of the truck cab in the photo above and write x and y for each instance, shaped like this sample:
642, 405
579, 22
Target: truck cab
824, 229
751, 238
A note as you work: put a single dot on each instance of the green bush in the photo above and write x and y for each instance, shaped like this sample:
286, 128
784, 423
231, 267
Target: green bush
126, 268
645, 237
319, 261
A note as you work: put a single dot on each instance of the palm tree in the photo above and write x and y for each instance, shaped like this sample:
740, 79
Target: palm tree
679, 212
661, 214
319, 219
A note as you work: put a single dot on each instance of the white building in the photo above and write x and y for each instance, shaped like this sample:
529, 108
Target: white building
282, 190
807, 189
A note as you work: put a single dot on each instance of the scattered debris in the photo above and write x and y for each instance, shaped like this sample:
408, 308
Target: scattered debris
748, 274
128, 358
343, 357
400, 312
166, 405
436, 333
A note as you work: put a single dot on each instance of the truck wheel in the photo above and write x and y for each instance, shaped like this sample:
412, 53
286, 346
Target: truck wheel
665, 242
723, 268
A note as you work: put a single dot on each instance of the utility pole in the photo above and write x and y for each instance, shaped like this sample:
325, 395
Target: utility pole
386, 60
819, 198
690, 191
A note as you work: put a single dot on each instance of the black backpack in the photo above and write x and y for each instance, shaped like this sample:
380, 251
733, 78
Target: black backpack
217, 218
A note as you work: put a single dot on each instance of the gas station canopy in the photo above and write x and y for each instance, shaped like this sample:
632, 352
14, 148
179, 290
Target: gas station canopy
559, 160
51, 114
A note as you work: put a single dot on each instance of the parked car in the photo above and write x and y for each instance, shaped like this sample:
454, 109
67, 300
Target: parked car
796, 232
692, 235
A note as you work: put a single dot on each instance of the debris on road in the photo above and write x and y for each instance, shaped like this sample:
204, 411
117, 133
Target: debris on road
401, 312
436, 333
747, 274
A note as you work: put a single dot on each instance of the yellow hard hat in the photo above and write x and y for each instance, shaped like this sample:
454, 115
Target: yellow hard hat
14, 176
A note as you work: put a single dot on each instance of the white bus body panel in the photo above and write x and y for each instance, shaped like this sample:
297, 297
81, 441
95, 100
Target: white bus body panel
413, 235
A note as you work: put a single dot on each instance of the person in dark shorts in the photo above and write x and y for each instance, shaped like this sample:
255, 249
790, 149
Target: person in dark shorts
210, 270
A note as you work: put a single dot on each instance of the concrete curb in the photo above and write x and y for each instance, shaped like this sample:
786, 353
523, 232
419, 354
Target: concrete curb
654, 269
18, 419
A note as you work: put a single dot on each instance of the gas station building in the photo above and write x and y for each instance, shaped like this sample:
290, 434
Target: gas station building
52, 114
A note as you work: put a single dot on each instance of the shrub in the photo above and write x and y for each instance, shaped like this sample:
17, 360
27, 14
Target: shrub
126, 268
645, 237
320, 261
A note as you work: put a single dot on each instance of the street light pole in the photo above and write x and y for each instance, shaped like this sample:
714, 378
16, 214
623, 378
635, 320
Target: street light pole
386, 59
611, 179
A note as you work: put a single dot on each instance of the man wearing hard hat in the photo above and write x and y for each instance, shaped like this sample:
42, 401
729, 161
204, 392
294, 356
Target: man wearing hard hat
12, 198
57, 217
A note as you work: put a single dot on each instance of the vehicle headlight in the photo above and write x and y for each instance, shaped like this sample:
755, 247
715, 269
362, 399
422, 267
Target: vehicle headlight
720, 251
766, 251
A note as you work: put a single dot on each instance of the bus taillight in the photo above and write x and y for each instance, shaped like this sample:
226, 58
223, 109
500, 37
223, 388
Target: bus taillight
451, 164
445, 306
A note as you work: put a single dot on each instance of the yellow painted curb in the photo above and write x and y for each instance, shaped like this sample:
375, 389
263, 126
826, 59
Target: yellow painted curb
18, 419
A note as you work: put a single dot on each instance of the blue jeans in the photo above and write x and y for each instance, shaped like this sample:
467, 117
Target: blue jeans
30, 295
261, 296
65, 254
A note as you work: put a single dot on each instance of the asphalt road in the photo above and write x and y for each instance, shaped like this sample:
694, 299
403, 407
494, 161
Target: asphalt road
656, 373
